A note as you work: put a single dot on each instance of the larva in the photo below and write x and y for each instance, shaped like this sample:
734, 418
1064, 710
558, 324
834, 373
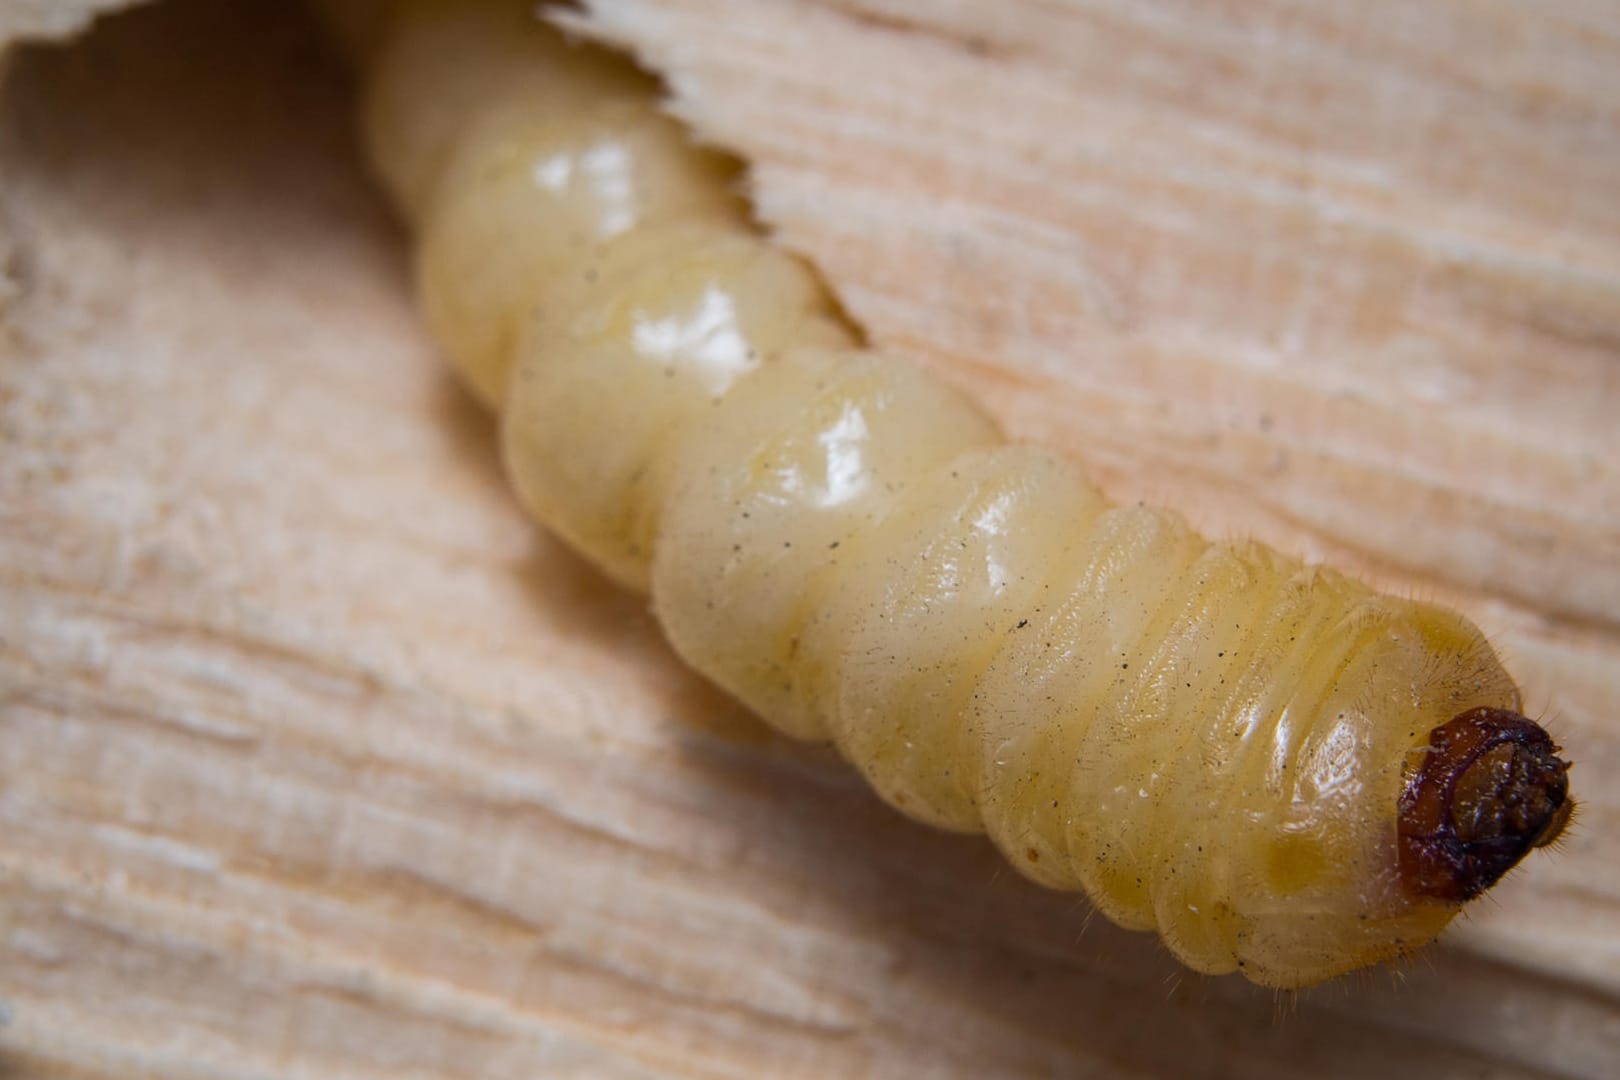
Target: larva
1278, 770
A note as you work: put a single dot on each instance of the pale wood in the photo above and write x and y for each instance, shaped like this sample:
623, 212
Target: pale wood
315, 760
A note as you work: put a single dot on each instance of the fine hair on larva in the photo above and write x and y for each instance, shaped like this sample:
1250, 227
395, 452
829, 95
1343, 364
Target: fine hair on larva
1276, 769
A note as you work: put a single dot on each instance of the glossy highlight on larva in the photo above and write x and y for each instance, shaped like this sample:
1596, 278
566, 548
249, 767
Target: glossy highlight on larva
1276, 769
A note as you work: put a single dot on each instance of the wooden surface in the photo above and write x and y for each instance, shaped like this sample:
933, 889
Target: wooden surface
317, 761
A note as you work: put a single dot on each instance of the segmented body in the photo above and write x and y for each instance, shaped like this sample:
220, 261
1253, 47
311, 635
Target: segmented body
1210, 739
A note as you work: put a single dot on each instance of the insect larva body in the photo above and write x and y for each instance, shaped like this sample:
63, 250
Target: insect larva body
799, 476
1277, 769
611, 170
632, 355
961, 567
435, 67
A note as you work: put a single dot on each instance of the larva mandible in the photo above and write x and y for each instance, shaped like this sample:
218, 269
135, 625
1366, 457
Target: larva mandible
1280, 771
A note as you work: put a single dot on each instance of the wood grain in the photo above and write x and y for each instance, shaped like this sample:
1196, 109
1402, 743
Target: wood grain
316, 760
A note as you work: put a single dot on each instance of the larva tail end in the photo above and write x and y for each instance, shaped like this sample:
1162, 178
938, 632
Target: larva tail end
1491, 788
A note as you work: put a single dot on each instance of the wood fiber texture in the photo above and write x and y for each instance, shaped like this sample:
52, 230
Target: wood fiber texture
317, 760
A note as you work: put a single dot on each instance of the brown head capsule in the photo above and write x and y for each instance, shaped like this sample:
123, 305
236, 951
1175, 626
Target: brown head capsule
1491, 787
